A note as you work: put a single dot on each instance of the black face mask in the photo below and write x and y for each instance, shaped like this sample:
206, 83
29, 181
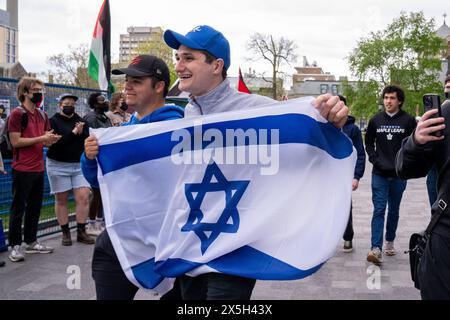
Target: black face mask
103, 107
124, 106
447, 95
37, 97
3, 116
68, 110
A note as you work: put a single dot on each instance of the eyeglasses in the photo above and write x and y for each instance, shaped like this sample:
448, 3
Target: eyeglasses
42, 90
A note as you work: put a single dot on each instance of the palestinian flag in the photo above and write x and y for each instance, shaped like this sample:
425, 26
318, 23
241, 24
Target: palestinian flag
242, 87
100, 56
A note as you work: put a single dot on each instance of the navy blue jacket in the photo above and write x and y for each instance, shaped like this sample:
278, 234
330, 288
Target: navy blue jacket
353, 132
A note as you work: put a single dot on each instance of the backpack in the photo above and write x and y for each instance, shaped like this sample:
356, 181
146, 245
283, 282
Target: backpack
6, 146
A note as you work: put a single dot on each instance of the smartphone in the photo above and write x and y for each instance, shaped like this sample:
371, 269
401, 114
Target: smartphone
433, 101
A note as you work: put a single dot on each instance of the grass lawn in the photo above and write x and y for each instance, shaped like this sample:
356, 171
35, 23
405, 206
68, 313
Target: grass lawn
47, 213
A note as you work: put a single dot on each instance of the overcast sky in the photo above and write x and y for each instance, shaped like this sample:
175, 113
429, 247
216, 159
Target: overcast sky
324, 30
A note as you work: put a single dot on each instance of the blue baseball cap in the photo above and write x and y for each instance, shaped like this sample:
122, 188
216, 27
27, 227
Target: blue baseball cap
201, 38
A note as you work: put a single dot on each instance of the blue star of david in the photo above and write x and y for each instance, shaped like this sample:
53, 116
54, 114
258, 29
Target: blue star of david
233, 194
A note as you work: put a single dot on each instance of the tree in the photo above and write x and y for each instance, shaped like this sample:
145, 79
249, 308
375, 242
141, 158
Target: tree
276, 51
71, 68
160, 49
407, 53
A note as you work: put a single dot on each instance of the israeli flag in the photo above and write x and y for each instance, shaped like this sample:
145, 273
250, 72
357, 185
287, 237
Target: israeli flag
262, 193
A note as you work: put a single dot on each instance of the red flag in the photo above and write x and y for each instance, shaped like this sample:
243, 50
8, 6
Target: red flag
242, 87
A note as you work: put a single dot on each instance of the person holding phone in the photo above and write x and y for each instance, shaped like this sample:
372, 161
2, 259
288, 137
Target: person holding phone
433, 174
419, 152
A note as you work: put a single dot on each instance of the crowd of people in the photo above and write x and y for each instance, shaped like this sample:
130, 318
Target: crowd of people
398, 146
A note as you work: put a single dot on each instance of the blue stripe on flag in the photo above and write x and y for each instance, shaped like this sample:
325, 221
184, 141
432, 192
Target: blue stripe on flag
245, 262
293, 128
146, 276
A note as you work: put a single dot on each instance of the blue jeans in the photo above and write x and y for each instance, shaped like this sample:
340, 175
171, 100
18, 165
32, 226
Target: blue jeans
385, 191
432, 185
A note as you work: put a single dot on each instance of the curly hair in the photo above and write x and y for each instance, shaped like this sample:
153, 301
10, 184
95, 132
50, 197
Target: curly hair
395, 89
92, 100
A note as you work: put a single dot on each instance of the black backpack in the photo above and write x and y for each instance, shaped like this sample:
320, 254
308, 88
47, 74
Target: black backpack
6, 146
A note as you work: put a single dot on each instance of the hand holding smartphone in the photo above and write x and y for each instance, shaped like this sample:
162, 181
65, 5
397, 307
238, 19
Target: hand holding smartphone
430, 102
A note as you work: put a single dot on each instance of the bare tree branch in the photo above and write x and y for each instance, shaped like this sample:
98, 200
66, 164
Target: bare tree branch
277, 51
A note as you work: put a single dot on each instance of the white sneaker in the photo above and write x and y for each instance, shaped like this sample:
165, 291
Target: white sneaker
16, 254
389, 249
375, 256
92, 230
37, 247
100, 225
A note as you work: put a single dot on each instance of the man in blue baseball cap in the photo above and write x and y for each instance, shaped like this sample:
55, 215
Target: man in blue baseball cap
203, 58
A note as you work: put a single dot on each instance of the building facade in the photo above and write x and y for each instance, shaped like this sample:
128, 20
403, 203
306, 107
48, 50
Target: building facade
9, 33
311, 80
444, 33
137, 36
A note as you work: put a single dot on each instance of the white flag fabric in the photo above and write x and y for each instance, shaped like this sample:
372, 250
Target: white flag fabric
262, 193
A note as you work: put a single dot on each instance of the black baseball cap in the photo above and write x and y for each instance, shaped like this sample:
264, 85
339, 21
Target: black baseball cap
146, 66
67, 95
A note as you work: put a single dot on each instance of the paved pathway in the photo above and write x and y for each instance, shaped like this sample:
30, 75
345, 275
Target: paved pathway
346, 276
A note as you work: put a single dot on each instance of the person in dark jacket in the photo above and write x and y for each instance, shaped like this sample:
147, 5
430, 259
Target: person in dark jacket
433, 174
95, 119
354, 133
385, 133
418, 154
64, 171
146, 86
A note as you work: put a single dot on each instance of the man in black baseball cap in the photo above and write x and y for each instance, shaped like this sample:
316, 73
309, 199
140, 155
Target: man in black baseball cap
146, 86
147, 66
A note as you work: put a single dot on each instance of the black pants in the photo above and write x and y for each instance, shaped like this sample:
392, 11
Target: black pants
434, 270
28, 190
216, 286
348, 234
96, 205
111, 283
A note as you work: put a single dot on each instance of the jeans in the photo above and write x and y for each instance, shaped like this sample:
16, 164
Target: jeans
348, 234
111, 283
28, 190
385, 191
432, 185
216, 286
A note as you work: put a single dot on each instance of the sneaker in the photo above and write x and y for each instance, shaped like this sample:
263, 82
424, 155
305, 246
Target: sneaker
389, 249
36, 247
375, 256
66, 239
100, 225
83, 237
92, 230
16, 254
348, 246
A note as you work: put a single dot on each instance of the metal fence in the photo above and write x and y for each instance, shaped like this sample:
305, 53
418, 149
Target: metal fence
8, 89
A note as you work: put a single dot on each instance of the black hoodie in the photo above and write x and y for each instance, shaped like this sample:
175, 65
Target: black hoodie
384, 138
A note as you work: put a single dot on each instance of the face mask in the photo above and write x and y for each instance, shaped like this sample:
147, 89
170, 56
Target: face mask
37, 97
3, 116
447, 95
68, 110
124, 106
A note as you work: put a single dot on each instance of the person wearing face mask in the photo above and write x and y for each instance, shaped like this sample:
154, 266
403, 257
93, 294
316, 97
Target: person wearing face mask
118, 110
29, 131
2, 128
64, 171
96, 119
